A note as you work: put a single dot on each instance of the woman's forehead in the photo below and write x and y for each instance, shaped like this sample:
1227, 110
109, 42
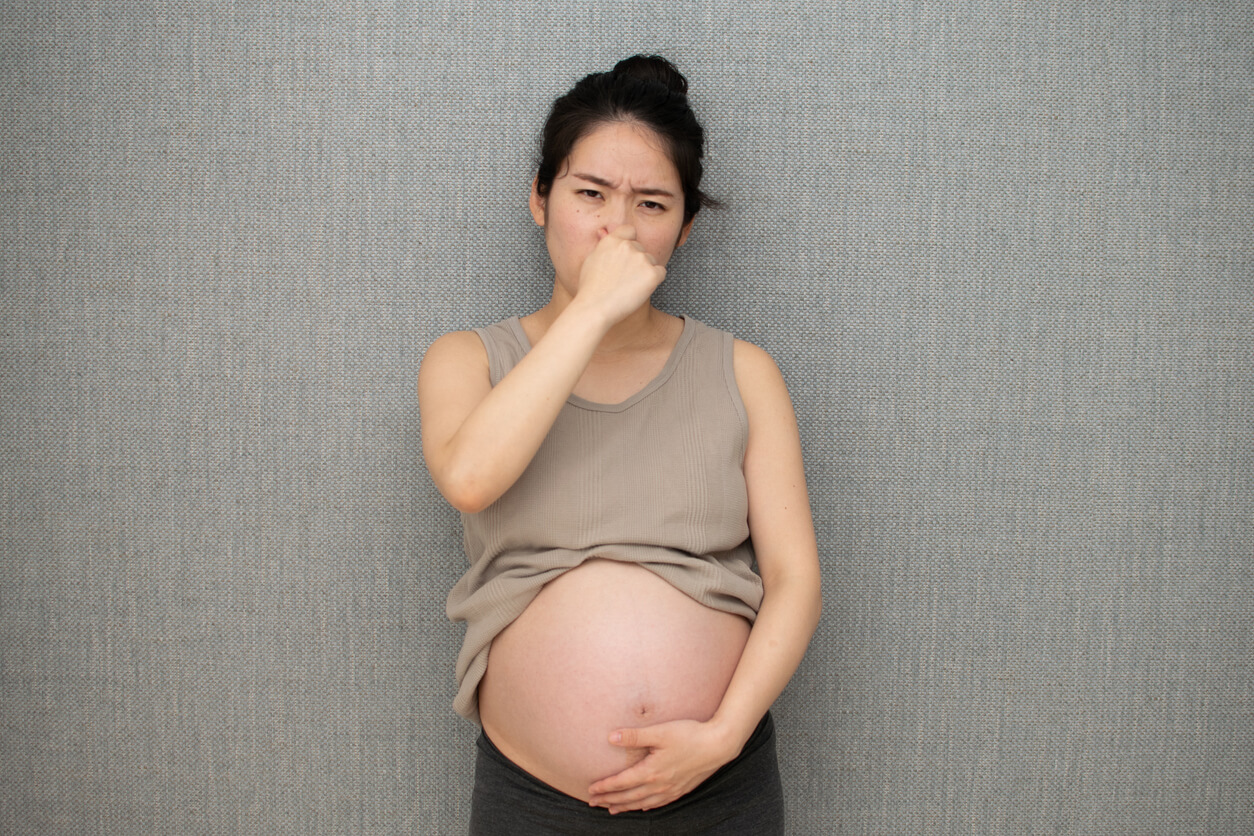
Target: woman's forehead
621, 153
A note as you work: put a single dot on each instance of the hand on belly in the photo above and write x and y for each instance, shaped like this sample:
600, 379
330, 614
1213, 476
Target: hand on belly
605, 646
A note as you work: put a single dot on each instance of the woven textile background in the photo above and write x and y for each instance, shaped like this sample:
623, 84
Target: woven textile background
1003, 252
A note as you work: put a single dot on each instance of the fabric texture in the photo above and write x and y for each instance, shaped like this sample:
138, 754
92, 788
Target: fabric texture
1002, 253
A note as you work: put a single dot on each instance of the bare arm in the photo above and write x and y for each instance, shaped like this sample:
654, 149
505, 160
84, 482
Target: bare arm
783, 537
478, 439
685, 752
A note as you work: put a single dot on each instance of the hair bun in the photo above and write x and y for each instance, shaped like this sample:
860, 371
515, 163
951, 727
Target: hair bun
653, 68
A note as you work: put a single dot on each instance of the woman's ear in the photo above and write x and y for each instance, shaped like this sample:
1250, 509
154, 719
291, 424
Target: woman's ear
536, 203
683, 233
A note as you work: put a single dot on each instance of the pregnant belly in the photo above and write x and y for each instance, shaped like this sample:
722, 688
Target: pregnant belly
606, 645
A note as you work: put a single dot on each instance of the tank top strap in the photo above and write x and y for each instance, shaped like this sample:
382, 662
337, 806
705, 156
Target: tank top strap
725, 352
506, 344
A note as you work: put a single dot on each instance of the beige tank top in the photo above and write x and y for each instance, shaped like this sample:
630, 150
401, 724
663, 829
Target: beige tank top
657, 480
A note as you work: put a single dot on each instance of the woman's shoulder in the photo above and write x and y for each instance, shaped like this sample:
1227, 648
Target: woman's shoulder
757, 375
495, 348
750, 363
754, 358
455, 359
475, 342
455, 345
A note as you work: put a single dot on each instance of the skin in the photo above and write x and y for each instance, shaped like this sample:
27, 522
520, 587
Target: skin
612, 219
561, 679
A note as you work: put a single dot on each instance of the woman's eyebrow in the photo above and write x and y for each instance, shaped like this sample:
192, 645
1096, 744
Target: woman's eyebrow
601, 181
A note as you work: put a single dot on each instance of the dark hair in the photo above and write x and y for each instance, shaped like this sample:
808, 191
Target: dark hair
645, 89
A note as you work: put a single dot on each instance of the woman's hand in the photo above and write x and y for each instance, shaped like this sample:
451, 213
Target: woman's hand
681, 754
618, 276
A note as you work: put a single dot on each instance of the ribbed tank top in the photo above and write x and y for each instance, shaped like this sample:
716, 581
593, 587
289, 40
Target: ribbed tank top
657, 480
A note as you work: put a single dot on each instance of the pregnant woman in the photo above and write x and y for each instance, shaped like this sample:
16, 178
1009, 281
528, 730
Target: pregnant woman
643, 572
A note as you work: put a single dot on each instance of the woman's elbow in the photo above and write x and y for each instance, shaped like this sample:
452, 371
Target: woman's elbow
465, 495
466, 504
464, 490
802, 590
811, 598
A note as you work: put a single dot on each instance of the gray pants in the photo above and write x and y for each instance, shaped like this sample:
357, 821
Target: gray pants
742, 797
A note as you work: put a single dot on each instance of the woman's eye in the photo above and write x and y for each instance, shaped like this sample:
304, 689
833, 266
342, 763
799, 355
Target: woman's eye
589, 193
649, 204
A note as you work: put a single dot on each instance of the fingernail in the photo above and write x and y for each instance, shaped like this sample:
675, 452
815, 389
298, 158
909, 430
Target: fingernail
616, 737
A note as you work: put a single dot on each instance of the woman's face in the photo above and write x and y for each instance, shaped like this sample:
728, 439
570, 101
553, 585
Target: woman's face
616, 174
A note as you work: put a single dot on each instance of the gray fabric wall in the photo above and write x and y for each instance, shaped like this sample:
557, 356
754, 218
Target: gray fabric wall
1002, 251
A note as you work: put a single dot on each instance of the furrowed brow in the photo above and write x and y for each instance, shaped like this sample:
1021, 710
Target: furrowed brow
601, 181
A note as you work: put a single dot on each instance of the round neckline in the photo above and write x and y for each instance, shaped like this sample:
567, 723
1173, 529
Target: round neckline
685, 336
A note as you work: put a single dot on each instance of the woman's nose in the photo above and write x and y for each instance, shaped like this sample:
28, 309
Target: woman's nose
614, 216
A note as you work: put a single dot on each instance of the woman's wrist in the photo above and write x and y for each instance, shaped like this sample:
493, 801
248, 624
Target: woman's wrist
587, 314
732, 733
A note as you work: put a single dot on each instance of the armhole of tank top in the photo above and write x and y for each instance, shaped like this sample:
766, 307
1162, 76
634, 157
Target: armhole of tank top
733, 390
494, 355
